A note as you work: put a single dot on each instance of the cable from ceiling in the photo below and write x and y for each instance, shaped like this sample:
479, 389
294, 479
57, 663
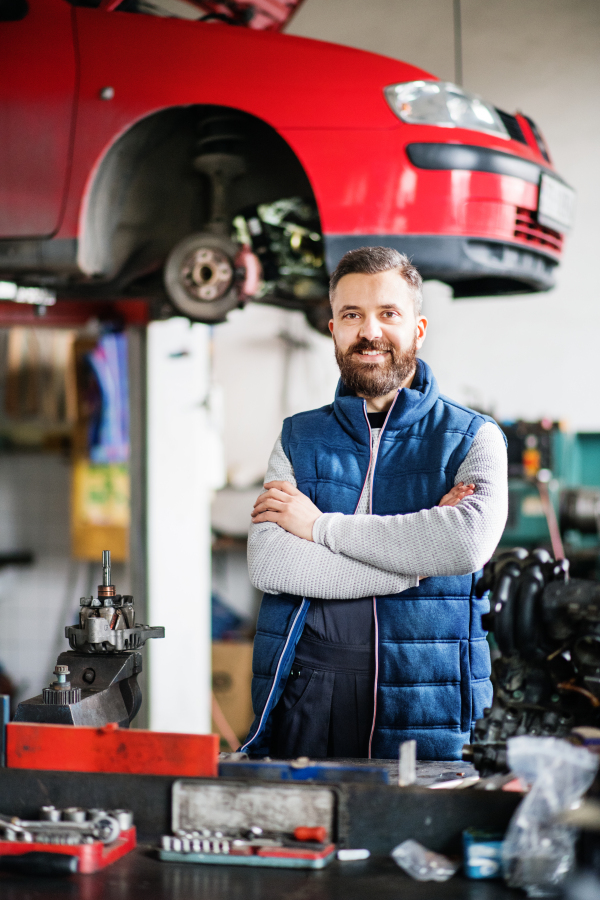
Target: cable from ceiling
458, 62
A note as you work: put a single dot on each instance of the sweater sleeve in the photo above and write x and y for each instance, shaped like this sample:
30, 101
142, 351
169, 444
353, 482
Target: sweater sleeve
445, 540
280, 562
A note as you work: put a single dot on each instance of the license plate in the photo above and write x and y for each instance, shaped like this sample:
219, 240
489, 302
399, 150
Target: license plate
556, 204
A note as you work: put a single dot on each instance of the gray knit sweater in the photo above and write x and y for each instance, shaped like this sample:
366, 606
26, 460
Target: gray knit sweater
365, 555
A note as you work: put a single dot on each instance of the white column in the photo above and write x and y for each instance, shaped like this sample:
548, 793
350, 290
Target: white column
182, 465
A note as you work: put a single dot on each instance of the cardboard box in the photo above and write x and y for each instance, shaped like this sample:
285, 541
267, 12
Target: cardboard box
232, 677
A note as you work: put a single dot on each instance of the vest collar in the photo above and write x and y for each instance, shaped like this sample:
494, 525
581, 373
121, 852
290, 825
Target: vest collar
411, 405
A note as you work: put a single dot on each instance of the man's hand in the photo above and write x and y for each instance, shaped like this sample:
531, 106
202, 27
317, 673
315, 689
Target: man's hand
287, 506
458, 493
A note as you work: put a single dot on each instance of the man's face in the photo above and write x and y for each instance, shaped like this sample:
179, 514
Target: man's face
376, 332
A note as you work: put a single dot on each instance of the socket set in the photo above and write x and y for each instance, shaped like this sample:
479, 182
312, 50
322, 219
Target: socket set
95, 837
246, 824
306, 848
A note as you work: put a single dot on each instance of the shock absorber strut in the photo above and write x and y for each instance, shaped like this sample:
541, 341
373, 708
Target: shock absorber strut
220, 159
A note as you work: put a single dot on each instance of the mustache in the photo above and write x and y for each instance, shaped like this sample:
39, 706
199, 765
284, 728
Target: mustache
363, 344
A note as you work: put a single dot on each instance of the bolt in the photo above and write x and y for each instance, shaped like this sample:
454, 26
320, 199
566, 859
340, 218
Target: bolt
61, 673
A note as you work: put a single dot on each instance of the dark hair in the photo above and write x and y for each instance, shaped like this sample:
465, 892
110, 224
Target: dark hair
371, 261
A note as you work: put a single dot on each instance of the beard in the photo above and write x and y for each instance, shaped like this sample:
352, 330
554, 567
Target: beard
375, 379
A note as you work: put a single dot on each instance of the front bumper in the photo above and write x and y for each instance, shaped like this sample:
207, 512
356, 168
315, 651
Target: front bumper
472, 266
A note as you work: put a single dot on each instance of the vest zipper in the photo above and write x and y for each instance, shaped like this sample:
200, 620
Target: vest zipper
372, 464
266, 710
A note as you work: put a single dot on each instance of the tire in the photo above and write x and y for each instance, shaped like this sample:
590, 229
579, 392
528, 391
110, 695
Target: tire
200, 277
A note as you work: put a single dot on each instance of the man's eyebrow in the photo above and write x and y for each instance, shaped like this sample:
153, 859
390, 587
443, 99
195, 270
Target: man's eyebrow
348, 307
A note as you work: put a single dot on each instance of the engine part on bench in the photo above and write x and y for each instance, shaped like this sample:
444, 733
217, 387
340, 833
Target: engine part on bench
107, 622
547, 680
96, 681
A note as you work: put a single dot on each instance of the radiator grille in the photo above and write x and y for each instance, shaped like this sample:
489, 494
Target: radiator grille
512, 126
527, 228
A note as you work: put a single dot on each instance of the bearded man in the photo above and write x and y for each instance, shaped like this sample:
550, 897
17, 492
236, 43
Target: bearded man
378, 512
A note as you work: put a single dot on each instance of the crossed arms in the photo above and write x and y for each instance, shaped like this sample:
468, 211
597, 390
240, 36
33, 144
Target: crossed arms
363, 555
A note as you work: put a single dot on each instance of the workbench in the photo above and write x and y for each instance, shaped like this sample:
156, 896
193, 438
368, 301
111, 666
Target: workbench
139, 876
376, 816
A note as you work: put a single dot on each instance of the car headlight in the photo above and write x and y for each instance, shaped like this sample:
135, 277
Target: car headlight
445, 104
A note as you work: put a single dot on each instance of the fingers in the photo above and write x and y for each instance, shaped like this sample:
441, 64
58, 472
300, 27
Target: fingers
458, 493
284, 486
270, 501
275, 505
461, 489
272, 494
267, 516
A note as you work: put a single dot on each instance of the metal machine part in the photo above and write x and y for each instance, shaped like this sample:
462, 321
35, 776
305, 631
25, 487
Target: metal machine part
96, 681
60, 691
580, 510
73, 825
286, 237
547, 680
207, 274
107, 622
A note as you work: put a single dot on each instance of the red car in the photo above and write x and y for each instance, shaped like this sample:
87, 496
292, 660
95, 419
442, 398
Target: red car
161, 148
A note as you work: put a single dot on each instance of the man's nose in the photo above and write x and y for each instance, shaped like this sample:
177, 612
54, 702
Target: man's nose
371, 329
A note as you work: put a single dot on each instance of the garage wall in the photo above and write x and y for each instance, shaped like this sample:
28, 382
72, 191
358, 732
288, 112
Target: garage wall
536, 356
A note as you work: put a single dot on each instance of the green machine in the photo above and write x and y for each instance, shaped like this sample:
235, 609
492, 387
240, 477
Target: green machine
554, 492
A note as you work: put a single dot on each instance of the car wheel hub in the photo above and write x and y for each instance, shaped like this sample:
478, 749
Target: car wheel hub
207, 274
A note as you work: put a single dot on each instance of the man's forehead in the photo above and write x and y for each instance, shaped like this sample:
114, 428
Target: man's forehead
384, 290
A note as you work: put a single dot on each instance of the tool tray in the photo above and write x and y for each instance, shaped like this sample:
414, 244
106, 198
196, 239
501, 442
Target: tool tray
91, 857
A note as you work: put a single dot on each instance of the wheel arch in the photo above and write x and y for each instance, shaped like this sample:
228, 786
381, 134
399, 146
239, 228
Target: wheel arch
145, 194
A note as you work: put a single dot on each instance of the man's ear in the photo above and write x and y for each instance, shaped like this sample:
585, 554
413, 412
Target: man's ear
421, 331
330, 325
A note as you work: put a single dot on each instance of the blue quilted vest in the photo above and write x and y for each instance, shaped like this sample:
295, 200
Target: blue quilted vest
432, 660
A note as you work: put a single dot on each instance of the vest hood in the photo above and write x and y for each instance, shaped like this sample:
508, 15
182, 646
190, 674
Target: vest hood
411, 404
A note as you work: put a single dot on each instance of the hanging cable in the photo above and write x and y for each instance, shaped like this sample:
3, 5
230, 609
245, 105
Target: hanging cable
458, 63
